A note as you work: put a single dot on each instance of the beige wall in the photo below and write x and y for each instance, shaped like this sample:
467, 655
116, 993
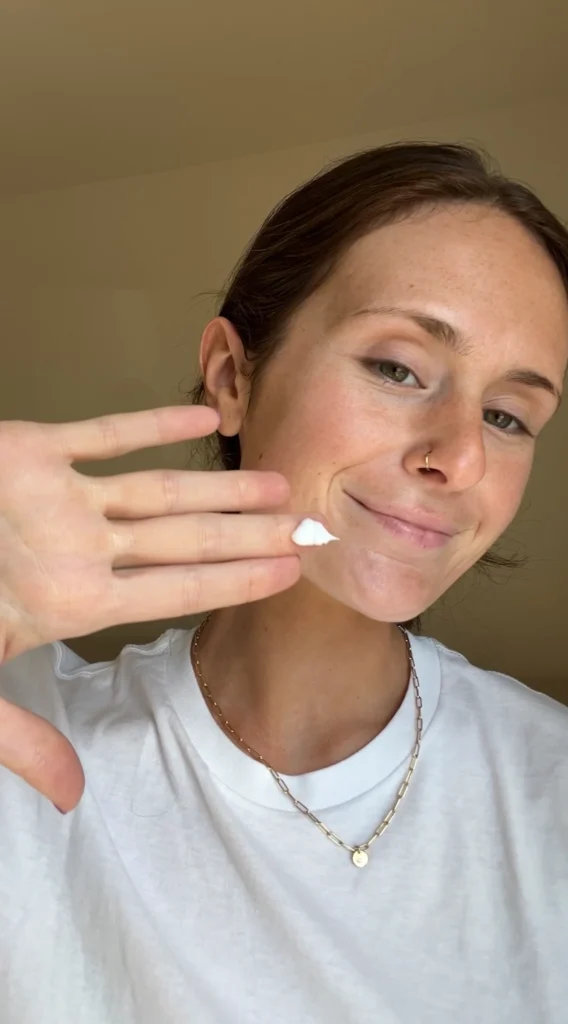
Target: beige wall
100, 310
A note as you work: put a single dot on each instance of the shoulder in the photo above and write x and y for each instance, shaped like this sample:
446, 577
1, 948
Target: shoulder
108, 710
510, 720
76, 696
498, 690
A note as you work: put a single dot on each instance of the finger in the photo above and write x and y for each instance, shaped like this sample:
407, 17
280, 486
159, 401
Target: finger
106, 437
202, 538
171, 492
142, 595
36, 751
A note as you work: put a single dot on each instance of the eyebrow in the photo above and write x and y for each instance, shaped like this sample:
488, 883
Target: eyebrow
445, 332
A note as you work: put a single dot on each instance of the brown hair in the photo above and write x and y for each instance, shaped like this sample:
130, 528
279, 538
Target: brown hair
302, 240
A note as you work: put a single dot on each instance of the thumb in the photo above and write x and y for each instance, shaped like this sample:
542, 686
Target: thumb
41, 755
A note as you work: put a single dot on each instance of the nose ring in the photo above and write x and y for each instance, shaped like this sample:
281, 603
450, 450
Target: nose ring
427, 461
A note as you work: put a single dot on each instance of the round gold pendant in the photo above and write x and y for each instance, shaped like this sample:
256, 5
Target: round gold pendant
360, 858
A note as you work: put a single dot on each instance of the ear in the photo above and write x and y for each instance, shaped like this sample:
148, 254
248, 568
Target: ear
224, 369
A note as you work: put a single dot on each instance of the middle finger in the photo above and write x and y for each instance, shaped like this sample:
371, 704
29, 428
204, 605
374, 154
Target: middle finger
158, 492
207, 537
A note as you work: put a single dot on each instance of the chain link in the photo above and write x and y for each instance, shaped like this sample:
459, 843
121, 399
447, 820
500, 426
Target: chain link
360, 851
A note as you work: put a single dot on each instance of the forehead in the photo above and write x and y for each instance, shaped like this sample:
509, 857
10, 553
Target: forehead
477, 267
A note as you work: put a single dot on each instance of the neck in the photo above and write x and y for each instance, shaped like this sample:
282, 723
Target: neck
305, 681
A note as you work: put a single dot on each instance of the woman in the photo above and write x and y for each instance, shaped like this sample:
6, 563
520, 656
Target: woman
300, 811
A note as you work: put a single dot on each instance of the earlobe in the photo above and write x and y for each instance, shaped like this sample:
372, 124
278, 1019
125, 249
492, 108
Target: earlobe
223, 364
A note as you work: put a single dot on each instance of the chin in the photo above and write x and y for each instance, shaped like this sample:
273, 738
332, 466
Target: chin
378, 586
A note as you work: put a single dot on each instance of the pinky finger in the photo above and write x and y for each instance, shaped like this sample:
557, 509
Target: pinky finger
152, 593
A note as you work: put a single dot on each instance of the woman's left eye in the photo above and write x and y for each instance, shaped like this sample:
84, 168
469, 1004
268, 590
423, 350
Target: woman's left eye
396, 373
504, 421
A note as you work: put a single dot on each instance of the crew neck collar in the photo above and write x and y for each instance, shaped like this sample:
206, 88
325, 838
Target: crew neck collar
321, 789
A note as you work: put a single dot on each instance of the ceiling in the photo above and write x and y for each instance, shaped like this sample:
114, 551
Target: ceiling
98, 89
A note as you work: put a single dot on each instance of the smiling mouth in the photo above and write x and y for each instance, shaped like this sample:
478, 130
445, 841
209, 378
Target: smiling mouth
405, 530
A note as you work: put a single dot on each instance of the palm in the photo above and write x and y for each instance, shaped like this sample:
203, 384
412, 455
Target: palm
80, 553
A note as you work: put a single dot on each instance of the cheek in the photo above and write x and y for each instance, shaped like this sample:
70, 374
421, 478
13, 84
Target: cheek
337, 418
503, 492
312, 429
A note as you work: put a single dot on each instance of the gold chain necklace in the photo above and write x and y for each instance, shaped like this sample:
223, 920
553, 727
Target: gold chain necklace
360, 856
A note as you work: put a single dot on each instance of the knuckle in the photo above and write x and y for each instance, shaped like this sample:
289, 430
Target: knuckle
161, 422
44, 753
283, 534
170, 490
242, 488
210, 538
121, 540
191, 592
108, 434
97, 491
37, 758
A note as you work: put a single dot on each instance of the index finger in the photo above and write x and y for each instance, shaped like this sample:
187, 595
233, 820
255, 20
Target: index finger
107, 437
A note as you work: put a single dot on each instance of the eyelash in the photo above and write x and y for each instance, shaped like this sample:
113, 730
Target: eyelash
376, 364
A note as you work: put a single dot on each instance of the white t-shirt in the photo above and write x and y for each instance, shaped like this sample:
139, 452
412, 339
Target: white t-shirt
186, 889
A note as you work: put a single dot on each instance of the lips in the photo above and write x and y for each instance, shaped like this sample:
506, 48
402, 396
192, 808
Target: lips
419, 528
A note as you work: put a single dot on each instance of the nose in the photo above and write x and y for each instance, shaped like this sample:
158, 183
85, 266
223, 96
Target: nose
456, 451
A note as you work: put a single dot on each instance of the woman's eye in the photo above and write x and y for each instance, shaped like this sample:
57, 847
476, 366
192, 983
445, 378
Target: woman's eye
504, 421
395, 372
398, 373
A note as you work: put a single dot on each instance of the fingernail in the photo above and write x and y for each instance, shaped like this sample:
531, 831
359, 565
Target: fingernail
311, 533
59, 809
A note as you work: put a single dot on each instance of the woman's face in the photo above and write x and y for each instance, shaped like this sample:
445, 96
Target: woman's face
448, 333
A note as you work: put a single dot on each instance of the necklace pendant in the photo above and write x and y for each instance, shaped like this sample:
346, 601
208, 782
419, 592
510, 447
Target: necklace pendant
360, 858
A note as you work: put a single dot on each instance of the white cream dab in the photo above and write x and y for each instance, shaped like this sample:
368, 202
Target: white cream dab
310, 533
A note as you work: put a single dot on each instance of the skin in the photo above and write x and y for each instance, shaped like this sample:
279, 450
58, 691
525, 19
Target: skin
346, 410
